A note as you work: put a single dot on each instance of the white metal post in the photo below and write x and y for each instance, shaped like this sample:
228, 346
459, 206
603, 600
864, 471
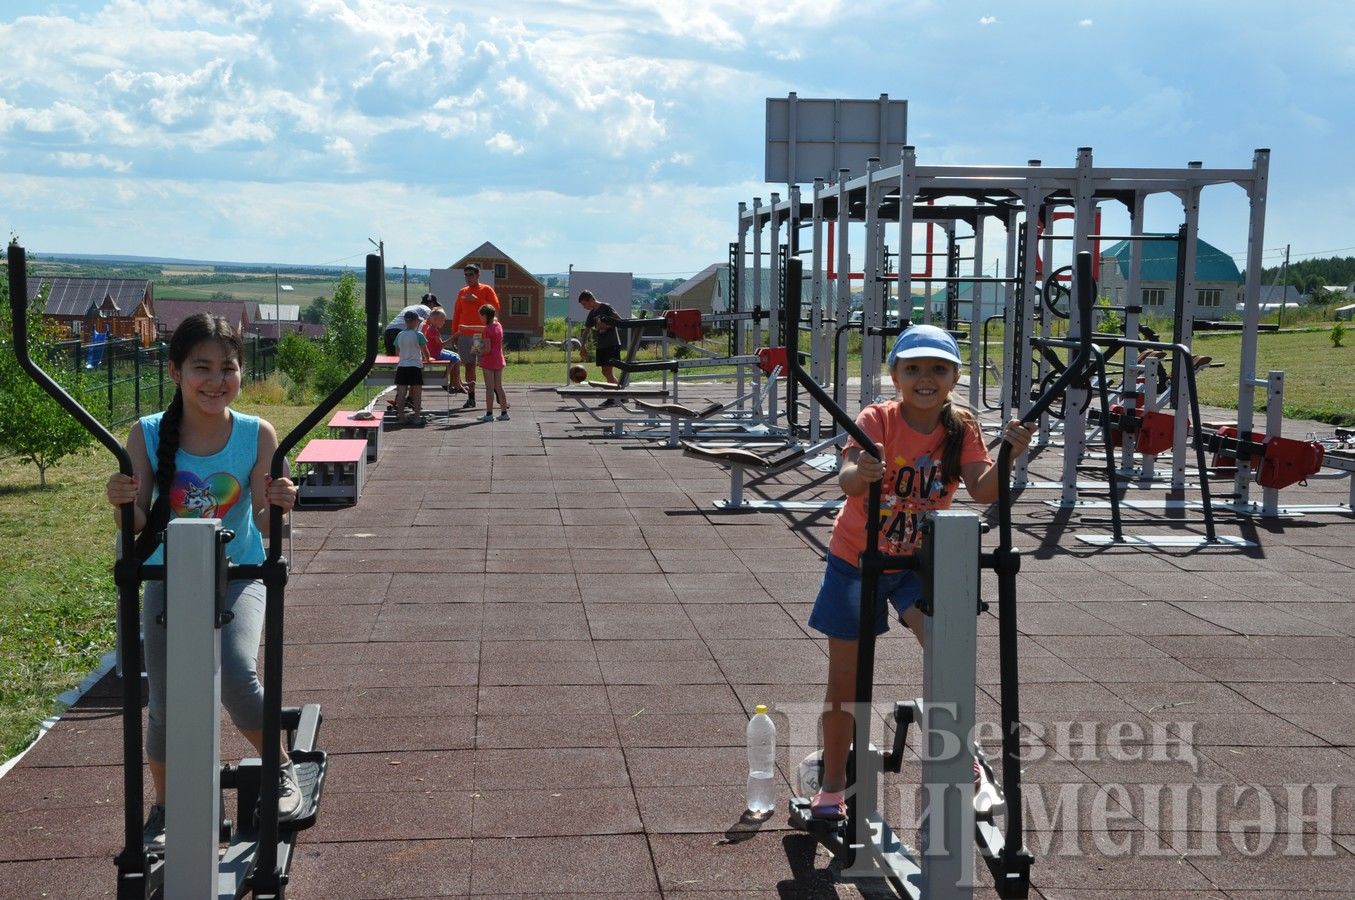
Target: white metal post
192, 704
871, 313
1251, 316
950, 647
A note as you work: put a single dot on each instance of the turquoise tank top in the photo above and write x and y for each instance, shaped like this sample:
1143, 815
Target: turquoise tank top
215, 486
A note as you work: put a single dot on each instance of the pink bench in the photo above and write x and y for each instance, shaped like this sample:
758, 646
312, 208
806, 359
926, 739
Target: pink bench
343, 426
335, 469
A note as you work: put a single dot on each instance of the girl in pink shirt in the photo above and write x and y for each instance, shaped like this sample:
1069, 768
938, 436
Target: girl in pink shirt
927, 447
492, 363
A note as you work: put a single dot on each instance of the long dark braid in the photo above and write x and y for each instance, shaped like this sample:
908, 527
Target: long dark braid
956, 420
192, 331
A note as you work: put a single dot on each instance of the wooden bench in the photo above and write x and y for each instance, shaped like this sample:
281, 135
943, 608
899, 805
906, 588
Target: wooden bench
336, 470
345, 426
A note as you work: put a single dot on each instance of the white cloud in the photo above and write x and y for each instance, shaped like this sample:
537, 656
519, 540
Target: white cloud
68, 160
502, 142
988, 20
1085, 23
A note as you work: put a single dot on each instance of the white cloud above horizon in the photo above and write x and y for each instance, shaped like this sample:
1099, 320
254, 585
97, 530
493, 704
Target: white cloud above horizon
606, 134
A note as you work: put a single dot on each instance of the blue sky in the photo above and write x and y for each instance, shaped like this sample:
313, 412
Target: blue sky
622, 135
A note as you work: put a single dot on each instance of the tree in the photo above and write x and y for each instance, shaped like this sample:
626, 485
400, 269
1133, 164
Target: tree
344, 343
298, 358
345, 324
315, 312
32, 424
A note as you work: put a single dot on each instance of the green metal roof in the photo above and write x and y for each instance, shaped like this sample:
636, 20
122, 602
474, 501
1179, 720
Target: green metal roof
1159, 261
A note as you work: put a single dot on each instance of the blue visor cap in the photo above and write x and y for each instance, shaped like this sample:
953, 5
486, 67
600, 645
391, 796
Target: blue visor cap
925, 341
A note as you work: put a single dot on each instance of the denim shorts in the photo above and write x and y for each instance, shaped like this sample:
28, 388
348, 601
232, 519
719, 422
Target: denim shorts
837, 608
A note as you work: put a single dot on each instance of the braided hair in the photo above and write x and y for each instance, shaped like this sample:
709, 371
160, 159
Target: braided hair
192, 331
956, 420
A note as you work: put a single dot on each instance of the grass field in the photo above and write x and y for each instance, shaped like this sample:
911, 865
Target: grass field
261, 290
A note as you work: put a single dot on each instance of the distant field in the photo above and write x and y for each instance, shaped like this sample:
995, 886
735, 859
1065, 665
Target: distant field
260, 289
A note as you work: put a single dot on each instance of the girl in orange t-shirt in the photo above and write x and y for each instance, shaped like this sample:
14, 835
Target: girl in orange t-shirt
928, 446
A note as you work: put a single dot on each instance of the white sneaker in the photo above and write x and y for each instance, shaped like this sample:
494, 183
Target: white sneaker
289, 793
153, 836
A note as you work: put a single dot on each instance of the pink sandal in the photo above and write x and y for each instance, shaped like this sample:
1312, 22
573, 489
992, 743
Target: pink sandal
828, 805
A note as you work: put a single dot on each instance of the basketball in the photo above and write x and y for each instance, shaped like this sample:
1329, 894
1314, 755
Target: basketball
578, 374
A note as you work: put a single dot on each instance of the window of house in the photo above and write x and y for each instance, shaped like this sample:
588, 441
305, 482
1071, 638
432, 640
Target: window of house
1210, 297
500, 270
1154, 296
519, 306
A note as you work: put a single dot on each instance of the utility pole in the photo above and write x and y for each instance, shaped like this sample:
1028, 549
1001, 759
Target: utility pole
406, 271
1284, 284
277, 306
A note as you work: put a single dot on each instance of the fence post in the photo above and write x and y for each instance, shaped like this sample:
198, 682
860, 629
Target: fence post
108, 358
136, 371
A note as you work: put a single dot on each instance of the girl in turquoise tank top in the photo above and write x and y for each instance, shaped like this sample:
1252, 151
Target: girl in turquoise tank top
201, 459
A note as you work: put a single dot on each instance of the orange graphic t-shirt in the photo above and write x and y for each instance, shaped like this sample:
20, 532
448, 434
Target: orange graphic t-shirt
912, 484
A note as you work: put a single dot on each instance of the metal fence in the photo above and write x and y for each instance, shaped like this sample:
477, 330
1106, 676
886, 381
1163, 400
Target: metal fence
120, 380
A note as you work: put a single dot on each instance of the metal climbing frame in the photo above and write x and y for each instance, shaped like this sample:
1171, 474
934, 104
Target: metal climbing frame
1019, 199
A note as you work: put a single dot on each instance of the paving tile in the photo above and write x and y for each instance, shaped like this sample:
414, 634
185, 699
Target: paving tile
568, 768
56, 878
688, 699
702, 809
47, 833
600, 866
559, 811
544, 699
713, 864
685, 671
409, 815
664, 767
763, 621
657, 650
611, 621
381, 870
698, 730
428, 622
365, 703
534, 622
411, 731
1282, 875
399, 770
525, 732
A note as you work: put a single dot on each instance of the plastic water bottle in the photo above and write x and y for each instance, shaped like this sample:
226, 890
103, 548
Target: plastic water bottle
761, 764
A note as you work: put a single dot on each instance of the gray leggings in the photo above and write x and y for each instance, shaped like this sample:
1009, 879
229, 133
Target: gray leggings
241, 692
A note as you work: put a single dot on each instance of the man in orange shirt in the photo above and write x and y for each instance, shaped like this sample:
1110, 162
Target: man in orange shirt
466, 324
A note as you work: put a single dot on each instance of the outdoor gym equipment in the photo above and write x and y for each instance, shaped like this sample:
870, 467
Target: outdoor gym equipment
948, 563
258, 855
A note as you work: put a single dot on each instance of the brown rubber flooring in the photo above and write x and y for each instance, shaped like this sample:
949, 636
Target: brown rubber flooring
536, 653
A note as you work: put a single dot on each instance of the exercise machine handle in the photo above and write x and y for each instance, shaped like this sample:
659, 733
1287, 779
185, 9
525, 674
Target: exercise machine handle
374, 284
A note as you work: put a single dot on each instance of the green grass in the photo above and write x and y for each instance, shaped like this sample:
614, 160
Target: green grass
57, 598
1319, 379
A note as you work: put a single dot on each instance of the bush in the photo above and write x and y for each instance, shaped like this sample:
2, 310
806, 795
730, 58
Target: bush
1338, 331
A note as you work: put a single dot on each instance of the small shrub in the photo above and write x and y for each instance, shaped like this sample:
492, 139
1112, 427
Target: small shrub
1338, 331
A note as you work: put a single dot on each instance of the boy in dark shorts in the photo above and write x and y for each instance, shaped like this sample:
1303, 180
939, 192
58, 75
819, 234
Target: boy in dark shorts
602, 320
413, 349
